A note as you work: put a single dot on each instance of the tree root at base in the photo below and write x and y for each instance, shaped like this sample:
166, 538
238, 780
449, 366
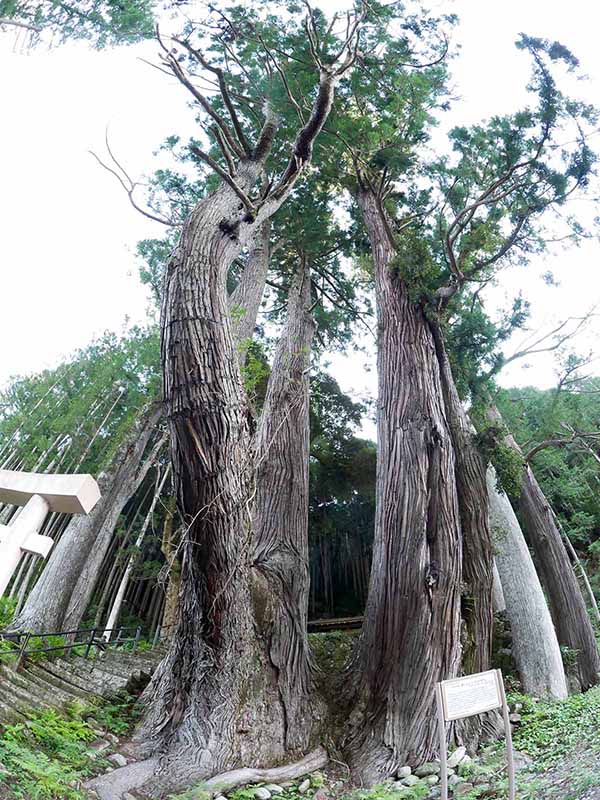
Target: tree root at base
135, 776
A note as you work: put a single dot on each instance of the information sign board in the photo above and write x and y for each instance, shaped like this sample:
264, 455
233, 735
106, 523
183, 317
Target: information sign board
472, 694
463, 697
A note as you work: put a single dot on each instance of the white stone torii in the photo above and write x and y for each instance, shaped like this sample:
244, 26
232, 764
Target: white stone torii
39, 494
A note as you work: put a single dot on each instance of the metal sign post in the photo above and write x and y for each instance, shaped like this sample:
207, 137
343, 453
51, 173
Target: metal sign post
464, 697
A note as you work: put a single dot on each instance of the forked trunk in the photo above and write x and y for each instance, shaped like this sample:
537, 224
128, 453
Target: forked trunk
58, 587
216, 687
411, 633
214, 700
281, 583
567, 605
534, 643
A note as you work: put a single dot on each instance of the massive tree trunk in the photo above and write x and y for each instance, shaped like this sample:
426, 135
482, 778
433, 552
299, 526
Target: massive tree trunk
411, 635
571, 620
281, 518
215, 702
534, 643
60, 587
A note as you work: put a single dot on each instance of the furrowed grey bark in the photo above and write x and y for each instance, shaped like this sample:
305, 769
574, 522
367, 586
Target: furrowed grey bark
201, 711
411, 634
58, 586
478, 556
535, 647
281, 567
244, 301
567, 605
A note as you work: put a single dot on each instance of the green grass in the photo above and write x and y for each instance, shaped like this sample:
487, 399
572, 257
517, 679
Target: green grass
551, 730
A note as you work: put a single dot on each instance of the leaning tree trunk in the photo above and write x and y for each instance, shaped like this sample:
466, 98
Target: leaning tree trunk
115, 609
59, 586
534, 643
571, 620
499, 601
281, 562
410, 638
83, 591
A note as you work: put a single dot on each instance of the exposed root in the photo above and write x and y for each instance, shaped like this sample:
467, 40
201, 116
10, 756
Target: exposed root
140, 775
113, 785
240, 777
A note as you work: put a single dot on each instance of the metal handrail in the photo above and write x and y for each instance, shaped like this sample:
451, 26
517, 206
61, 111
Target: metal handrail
22, 640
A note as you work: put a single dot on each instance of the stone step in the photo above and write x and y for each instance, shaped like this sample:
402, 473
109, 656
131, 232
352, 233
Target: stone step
60, 681
98, 681
9, 715
120, 667
58, 691
64, 672
19, 698
25, 688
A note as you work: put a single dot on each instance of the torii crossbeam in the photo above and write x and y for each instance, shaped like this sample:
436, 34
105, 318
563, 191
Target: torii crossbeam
39, 494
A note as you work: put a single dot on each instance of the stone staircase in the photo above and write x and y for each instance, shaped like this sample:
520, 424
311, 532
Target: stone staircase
58, 682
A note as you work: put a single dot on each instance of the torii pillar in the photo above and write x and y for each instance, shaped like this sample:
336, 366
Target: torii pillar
39, 494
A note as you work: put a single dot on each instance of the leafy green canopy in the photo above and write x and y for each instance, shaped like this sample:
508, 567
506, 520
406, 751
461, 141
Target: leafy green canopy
496, 198
569, 475
264, 62
76, 415
102, 22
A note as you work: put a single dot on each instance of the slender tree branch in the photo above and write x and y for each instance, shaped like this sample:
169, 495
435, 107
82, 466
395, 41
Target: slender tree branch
18, 24
224, 175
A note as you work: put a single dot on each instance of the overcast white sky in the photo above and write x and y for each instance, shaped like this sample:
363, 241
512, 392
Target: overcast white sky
68, 270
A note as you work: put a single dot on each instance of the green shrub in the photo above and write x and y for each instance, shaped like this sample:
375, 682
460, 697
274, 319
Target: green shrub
45, 756
8, 607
